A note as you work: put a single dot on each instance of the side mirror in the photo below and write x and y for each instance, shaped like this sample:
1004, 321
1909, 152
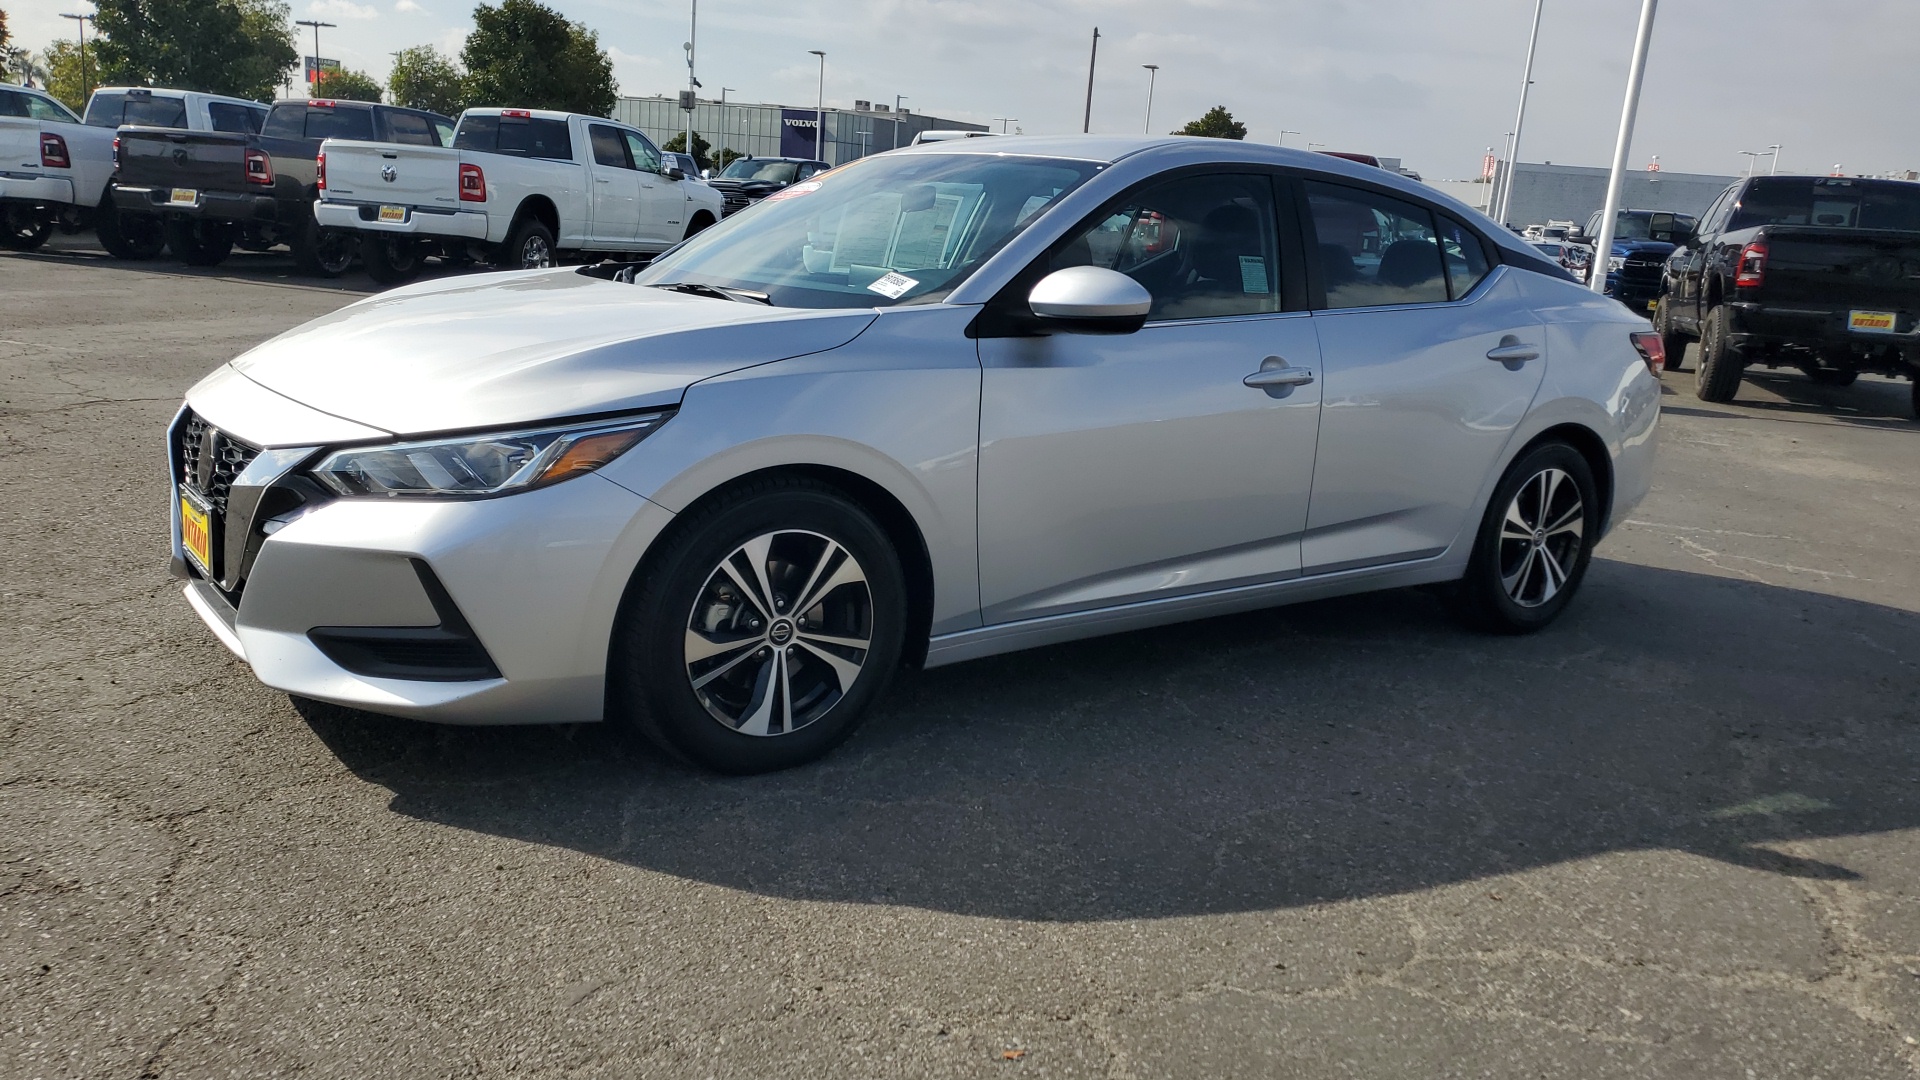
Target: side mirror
672, 172
1091, 300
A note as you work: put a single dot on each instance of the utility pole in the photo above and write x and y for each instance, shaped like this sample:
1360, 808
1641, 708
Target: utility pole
1003, 121
1153, 73
820, 109
81, 22
313, 80
1284, 132
693, 84
1086, 124
897, 99
1519, 120
1774, 169
724, 128
1636, 74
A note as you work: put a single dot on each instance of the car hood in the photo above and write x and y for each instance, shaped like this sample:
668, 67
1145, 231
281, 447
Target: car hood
507, 349
1624, 248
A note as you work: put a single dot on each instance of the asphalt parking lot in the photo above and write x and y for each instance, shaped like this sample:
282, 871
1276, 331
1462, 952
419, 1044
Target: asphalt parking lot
1676, 835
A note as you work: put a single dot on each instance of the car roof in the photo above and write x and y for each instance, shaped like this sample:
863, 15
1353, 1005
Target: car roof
172, 92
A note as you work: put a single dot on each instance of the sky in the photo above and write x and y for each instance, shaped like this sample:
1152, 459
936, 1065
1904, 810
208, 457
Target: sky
1435, 84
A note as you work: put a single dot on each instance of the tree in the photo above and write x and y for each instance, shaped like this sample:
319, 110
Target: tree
64, 78
678, 145
4, 36
425, 78
524, 54
726, 156
349, 85
1218, 123
240, 47
19, 65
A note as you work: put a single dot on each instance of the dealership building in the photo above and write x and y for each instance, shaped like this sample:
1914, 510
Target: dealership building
1547, 192
784, 130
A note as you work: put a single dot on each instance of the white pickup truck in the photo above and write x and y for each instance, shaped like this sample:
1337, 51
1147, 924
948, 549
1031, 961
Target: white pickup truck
57, 170
517, 187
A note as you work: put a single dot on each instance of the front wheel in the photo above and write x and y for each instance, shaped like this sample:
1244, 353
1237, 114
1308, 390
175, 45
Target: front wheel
761, 635
1720, 366
1534, 543
25, 228
390, 259
199, 243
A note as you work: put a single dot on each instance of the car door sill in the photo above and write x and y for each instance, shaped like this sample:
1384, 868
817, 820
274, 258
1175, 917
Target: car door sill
986, 641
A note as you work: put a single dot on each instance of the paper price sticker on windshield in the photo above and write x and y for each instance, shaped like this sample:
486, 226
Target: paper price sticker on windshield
794, 191
891, 285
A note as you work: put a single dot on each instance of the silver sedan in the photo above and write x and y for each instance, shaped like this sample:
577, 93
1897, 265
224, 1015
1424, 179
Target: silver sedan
933, 405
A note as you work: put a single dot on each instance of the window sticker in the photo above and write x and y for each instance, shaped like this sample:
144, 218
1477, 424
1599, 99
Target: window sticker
793, 191
891, 285
1253, 274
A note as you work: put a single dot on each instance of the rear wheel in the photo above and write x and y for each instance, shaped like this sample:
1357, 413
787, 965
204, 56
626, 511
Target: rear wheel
1720, 366
762, 634
529, 247
322, 251
199, 243
1534, 542
128, 236
390, 259
25, 228
1673, 341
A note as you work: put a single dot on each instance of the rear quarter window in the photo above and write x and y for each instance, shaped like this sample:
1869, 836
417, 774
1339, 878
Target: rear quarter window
236, 118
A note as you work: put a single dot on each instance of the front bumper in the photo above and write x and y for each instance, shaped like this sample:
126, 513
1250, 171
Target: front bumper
36, 189
210, 205
453, 224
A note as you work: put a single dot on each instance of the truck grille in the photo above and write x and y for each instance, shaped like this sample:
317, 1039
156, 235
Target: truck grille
735, 202
210, 459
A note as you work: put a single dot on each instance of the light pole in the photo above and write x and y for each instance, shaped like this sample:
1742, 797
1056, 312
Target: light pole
1774, 167
1093, 57
313, 80
81, 21
1753, 158
1520, 118
1636, 74
1315, 145
693, 84
724, 91
1003, 121
820, 109
1153, 72
1284, 132
863, 142
897, 99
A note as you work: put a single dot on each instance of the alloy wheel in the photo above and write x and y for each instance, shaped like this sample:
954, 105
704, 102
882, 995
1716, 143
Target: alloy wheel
535, 254
779, 632
1541, 537
334, 250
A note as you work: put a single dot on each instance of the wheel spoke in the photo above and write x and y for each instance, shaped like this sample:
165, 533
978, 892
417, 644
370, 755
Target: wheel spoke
1555, 576
844, 642
1516, 582
756, 551
722, 669
765, 608
758, 719
701, 647
1516, 520
1550, 487
1573, 521
820, 567
844, 670
847, 573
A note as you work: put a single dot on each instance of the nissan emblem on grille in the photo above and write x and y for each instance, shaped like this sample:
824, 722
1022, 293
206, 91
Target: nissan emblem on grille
389, 173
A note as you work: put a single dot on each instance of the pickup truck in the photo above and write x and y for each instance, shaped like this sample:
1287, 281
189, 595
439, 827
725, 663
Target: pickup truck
517, 187
747, 180
64, 173
1821, 273
216, 189
1642, 240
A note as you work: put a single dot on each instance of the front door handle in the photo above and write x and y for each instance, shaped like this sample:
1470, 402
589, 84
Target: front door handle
1512, 350
1277, 377
602, 180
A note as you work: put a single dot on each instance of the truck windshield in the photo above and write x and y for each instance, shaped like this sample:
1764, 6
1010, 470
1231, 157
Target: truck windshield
884, 230
1834, 201
1643, 225
780, 172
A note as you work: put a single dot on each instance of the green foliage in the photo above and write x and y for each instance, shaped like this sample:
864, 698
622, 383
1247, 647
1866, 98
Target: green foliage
678, 145
425, 78
64, 78
523, 54
1218, 123
4, 35
726, 156
349, 85
20, 66
239, 47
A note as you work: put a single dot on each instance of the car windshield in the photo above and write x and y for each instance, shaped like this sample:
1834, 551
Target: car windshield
1835, 202
1633, 225
780, 172
883, 230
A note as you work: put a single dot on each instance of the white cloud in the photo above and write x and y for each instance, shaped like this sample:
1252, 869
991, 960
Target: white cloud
407, 6
342, 9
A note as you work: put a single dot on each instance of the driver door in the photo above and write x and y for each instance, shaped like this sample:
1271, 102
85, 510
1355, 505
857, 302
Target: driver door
1123, 468
663, 202
616, 189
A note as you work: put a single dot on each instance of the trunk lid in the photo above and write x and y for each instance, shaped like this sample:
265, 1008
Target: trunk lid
166, 158
392, 173
1842, 267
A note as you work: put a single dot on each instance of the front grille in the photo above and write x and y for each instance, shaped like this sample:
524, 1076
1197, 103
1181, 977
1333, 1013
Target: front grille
210, 460
735, 202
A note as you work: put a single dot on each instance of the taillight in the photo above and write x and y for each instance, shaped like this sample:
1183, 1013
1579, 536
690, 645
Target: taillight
53, 152
320, 171
1751, 271
260, 167
116, 151
1653, 349
473, 184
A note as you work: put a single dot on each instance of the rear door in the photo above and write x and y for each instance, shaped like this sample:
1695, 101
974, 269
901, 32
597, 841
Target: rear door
1431, 360
615, 188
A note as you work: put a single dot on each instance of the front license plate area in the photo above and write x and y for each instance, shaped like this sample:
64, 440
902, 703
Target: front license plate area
182, 196
196, 533
395, 214
1871, 322
1651, 304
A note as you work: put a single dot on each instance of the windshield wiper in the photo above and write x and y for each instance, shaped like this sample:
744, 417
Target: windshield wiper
718, 292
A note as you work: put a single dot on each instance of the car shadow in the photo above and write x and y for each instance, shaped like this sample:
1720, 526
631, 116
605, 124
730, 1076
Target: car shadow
1340, 749
1871, 402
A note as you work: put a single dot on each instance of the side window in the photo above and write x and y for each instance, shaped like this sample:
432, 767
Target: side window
329, 122
410, 129
1465, 256
645, 157
236, 118
1374, 249
284, 122
1716, 216
1204, 246
41, 109
443, 131
608, 149
103, 109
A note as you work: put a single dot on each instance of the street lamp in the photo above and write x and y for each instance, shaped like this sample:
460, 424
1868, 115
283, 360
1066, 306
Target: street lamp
1774, 168
1284, 132
1753, 158
724, 91
1315, 145
81, 21
897, 99
313, 79
1519, 120
1617, 178
693, 84
820, 108
1153, 72
1003, 121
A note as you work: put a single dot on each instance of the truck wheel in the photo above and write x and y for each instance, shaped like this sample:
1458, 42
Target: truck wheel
389, 259
25, 228
530, 247
1832, 376
1673, 341
1534, 543
701, 222
324, 252
1719, 376
199, 243
129, 236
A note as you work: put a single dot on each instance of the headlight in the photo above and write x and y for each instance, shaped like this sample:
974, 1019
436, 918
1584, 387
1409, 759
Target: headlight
480, 465
1615, 262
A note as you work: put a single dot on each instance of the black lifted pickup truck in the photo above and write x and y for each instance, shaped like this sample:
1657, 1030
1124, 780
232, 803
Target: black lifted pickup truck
216, 189
1821, 273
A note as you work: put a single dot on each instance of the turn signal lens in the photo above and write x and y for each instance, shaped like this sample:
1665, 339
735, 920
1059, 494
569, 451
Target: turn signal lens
481, 465
1653, 349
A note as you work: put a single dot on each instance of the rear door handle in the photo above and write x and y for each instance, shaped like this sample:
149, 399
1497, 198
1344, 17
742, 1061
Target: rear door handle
1512, 350
602, 180
1277, 377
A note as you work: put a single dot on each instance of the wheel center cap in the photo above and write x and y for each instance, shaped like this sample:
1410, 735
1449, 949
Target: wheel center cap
780, 632
1539, 536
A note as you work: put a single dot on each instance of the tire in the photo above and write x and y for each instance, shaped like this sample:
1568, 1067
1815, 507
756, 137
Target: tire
736, 720
25, 228
1833, 376
323, 252
1528, 561
701, 222
528, 247
390, 260
1719, 376
135, 237
199, 243
1671, 340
